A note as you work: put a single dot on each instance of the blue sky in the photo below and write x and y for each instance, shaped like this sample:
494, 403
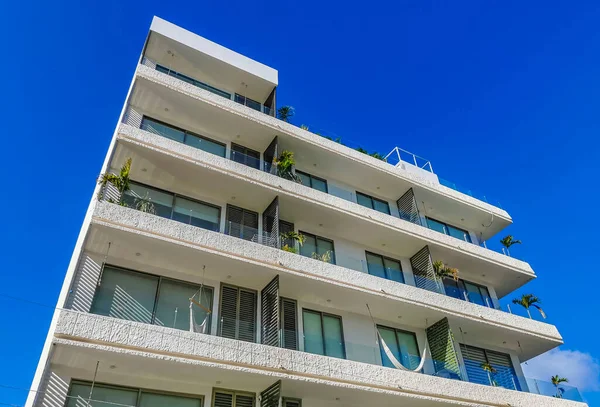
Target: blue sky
501, 96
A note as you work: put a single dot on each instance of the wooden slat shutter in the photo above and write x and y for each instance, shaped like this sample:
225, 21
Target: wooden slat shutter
250, 222
407, 207
285, 227
292, 403
441, 347
269, 156
243, 400
222, 399
270, 396
247, 316
269, 312
228, 312
422, 266
241, 222
270, 225
289, 324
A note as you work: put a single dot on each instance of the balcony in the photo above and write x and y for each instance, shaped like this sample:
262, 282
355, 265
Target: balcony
503, 272
361, 368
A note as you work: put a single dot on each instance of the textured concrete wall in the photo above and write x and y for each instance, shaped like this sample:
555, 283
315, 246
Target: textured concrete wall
144, 224
167, 344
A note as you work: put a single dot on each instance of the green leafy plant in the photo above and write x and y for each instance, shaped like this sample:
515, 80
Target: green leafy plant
374, 155
442, 270
293, 236
530, 300
326, 257
285, 113
508, 241
289, 249
304, 127
556, 381
119, 181
144, 204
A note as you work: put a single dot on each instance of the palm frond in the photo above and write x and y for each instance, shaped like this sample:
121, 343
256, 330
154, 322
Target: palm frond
540, 310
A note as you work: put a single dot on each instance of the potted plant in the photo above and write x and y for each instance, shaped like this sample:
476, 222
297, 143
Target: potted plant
508, 241
294, 237
442, 270
285, 163
285, 113
119, 181
530, 300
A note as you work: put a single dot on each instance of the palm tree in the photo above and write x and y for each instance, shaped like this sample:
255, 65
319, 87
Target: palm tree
120, 181
530, 300
285, 113
556, 381
508, 241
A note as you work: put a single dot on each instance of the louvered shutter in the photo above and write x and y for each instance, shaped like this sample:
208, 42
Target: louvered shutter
423, 271
292, 403
270, 226
407, 207
223, 399
250, 225
505, 375
269, 313
228, 312
474, 358
247, 316
242, 400
234, 221
269, 156
270, 397
289, 324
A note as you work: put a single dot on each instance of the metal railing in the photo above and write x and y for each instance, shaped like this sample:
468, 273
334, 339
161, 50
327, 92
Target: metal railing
398, 155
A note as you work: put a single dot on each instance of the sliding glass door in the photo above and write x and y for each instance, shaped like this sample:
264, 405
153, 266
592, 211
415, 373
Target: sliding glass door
323, 334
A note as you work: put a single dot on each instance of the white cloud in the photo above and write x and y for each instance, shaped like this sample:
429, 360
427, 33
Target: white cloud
582, 370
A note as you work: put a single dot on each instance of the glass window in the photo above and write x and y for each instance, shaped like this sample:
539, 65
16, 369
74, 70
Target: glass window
161, 203
102, 396
161, 400
253, 104
318, 247
384, 267
193, 81
182, 136
246, 156
403, 346
162, 129
313, 182
459, 233
448, 230
453, 288
205, 144
197, 214
125, 295
323, 334
373, 203
504, 374
173, 305
478, 294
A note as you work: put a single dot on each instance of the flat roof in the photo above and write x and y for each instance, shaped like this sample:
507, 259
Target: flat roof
214, 50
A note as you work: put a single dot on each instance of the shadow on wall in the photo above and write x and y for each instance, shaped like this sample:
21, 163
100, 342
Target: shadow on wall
85, 284
54, 391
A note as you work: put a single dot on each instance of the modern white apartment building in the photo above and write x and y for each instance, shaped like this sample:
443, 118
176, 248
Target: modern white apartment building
207, 216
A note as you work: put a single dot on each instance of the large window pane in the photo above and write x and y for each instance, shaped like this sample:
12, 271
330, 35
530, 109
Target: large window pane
246, 156
173, 305
393, 270
162, 129
304, 178
408, 349
162, 400
310, 245
389, 337
364, 200
125, 295
334, 341
375, 265
475, 294
452, 288
313, 333
197, 214
435, 225
161, 202
381, 206
459, 233
324, 246
205, 144
319, 184
102, 396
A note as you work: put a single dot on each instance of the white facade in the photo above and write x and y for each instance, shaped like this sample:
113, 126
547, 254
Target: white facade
199, 126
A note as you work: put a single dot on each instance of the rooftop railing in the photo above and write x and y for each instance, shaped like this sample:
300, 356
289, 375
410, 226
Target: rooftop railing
398, 155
